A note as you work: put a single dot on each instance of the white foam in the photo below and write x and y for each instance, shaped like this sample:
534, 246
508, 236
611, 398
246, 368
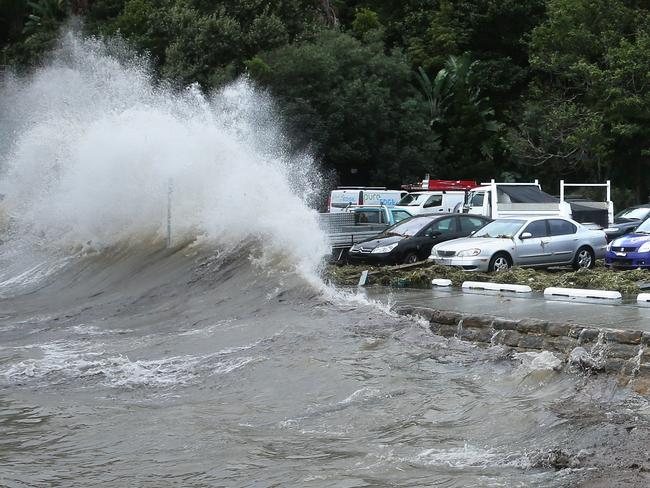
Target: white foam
90, 151
69, 362
470, 456
539, 361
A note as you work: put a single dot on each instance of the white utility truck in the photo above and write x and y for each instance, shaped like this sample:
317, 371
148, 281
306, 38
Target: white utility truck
498, 200
435, 196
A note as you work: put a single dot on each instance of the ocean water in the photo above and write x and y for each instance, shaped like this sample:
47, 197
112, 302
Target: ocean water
224, 359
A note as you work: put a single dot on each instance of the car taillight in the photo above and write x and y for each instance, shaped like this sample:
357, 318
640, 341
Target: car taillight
360, 198
329, 203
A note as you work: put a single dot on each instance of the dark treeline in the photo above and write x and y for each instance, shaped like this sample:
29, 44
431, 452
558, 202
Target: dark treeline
385, 91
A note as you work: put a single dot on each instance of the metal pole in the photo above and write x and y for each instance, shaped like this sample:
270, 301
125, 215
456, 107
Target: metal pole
170, 190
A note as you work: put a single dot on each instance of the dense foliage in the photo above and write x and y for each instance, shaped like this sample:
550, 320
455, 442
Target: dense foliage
385, 91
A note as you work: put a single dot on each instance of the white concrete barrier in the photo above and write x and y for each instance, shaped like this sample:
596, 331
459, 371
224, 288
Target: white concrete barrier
477, 285
441, 282
643, 297
582, 293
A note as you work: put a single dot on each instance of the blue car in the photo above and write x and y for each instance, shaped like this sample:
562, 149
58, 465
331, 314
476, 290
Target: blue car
630, 251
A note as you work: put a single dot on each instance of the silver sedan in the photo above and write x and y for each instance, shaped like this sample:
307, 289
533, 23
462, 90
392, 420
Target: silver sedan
527, 242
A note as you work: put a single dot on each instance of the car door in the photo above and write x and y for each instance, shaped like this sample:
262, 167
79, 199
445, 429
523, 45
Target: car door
441, 230
535, 250
468, 224
564, 240
433, 204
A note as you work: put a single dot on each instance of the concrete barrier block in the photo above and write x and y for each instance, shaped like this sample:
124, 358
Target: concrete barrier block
441, 282
624, 336
534, 326
480, 285
582, 293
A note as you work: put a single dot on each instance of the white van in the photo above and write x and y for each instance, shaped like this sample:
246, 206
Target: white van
430, 202
345, 196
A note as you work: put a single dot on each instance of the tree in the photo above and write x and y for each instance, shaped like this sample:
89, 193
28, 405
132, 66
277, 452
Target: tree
354, 105
469, 135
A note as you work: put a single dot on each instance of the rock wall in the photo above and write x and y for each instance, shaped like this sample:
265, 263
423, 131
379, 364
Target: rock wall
624, 352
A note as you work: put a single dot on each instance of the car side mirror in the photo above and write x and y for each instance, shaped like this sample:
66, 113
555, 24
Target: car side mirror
525, 235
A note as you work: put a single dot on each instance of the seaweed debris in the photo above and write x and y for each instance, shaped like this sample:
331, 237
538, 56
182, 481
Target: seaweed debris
419, 275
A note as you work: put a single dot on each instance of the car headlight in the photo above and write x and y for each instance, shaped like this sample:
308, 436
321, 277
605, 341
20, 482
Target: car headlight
612, 229
384, 249
645, 247
465, 253
609, 246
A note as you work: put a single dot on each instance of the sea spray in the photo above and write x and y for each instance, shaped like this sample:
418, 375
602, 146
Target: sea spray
91, 144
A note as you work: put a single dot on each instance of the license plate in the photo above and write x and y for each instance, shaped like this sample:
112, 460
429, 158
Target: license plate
444, 261
622, 254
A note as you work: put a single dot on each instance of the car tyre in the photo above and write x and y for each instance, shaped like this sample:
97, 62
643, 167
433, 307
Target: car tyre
584, 259
410, 258
501, 261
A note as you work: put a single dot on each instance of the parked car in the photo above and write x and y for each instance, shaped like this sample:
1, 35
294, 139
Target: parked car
630, 251
411, 240
627, 221
532, 242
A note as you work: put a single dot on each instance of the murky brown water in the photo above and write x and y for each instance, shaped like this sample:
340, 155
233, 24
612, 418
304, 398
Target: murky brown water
170, 369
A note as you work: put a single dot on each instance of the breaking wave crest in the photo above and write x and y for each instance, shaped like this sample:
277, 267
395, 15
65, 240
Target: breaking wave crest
96, 152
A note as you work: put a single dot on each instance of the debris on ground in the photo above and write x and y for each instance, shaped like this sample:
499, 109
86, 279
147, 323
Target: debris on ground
419, 275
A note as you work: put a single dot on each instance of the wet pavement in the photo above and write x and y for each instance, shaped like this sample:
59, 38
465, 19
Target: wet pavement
622, 314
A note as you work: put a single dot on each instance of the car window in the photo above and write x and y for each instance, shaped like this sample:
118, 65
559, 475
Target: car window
537, 228
409, 227
367, 217
561, 227
443, 226
470, 224
433, 201
639, 213
477, 200
399, 215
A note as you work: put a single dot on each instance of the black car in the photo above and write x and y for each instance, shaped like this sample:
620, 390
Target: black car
627, 221
411, 239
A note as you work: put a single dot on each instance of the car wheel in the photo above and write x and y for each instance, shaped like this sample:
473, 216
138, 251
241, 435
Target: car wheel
500, 262
410, 258
584, 259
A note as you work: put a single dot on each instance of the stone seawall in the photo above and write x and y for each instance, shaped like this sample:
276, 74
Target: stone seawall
624, 352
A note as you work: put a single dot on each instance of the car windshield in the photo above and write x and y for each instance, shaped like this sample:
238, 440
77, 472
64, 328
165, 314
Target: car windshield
413, 199
408, 228
500, 228
633, 213
644, 228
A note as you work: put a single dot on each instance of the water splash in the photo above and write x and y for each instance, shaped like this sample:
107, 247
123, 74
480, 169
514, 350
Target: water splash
88, 154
